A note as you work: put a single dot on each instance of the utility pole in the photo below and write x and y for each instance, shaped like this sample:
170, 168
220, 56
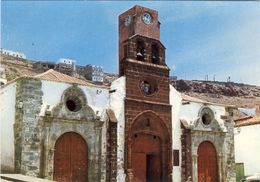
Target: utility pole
228, 79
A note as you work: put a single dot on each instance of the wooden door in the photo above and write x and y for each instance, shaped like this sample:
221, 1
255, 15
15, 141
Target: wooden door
70, 159
146, 158
153, 168
207, 163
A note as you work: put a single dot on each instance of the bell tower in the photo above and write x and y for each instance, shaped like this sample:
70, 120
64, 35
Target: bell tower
148, 139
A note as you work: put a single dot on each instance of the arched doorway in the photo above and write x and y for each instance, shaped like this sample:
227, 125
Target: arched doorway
70, 159
149, 149
207, 163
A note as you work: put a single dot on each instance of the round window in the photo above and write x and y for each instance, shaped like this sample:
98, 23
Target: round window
206, 119
206, 116
148, 87
73, 104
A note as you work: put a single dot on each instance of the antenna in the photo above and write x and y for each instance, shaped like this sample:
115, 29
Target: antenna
228, 79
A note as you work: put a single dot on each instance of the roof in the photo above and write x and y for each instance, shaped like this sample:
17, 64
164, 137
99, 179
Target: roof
192, 99
52, 75
60, 77
197, 100
247, 121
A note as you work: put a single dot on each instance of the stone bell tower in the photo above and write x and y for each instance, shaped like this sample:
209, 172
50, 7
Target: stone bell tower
148, 137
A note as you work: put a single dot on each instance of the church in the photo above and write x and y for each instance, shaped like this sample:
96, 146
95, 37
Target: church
137, 129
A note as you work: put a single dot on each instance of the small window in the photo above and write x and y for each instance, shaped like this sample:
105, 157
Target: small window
176, 158
73, 104
207, 116
148, 87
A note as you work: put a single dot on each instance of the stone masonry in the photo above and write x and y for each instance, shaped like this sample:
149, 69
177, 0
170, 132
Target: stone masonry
26, 129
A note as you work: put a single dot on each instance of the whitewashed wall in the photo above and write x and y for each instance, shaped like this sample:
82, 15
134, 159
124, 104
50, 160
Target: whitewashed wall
175, 101
7, 119
97, 97
190, 112
247, 148
117, 104
52, 92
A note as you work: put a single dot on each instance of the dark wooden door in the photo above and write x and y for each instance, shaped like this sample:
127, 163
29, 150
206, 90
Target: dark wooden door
153, 168
70, 159
207, 163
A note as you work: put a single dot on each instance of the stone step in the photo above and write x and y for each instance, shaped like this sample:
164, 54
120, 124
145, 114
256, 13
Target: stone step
20, 178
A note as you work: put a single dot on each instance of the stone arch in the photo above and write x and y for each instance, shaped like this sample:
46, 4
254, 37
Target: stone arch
155, 53
149, 142
206, 120
73, 92
140, 50
217, 142
73, 105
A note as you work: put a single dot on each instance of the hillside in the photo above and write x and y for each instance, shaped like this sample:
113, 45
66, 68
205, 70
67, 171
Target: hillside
241, 95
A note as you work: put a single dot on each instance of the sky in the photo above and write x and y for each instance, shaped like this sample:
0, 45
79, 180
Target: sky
215, 38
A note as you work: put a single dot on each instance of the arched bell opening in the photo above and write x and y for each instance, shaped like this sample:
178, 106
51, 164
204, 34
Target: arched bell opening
155, 54
140, 50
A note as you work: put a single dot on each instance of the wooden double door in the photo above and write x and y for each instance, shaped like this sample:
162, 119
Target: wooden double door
70, 159
207, 163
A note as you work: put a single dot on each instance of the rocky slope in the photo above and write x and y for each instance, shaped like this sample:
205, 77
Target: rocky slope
241, 95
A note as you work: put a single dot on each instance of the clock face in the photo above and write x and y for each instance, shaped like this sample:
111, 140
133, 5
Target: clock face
147, 18
127, 20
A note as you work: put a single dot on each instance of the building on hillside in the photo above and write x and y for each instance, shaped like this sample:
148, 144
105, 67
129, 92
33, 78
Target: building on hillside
247, 145
139, 128
94, 73
42, 66
91, 72
2, 75
66, 66
13, 53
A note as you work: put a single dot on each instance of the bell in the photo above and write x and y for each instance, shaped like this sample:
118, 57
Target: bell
139, 54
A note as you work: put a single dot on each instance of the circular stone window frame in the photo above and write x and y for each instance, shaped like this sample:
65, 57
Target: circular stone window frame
208, 111
153, 83
76, 101
78, 98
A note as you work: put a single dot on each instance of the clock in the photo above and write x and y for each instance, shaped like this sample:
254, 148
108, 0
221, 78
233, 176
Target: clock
128, 20
147, 18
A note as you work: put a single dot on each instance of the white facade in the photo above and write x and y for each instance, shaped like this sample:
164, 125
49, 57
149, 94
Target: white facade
13, 53
117, 102
66, 61
97, 97
7, 118
175, 101
247, 148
